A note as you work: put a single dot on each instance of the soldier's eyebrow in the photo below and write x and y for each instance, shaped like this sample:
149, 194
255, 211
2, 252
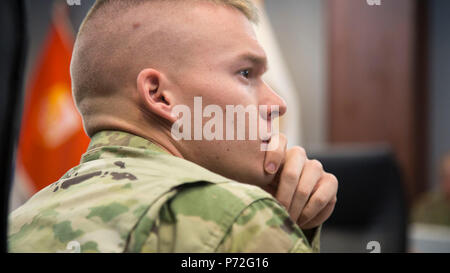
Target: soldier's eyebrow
256, 60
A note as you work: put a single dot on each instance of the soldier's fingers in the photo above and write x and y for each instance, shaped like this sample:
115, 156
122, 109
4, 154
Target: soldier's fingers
321, 217
324, 195
290, 175
275, 155
311, 174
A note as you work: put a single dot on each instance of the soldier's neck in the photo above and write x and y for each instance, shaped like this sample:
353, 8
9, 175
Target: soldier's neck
157, 136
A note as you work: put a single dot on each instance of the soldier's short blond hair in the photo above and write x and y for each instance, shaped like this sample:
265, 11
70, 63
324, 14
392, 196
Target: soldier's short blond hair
245, 6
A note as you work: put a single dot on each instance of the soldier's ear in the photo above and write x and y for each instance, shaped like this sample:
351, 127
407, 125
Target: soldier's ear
154, 95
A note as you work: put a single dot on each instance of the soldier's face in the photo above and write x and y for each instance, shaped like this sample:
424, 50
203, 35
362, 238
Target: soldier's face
225, 68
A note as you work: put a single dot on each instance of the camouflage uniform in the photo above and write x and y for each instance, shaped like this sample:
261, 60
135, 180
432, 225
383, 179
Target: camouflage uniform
129, 195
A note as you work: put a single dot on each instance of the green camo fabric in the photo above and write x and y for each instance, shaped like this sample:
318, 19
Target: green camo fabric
129, 195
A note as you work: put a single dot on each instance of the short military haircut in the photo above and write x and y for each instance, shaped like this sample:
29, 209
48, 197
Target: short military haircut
244, 6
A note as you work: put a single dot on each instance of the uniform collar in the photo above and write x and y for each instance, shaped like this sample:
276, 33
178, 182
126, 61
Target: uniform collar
118, 140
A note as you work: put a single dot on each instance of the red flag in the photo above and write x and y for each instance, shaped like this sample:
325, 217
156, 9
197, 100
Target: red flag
52, 138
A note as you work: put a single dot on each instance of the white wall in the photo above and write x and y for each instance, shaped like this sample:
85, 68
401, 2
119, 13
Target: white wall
301, 32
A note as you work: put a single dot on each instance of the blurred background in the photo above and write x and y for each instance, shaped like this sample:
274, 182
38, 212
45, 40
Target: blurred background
368, 89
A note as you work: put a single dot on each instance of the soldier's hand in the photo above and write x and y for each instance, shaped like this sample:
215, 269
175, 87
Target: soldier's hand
300, 185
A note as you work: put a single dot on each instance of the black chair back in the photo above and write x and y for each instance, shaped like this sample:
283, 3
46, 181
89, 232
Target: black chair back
371, 202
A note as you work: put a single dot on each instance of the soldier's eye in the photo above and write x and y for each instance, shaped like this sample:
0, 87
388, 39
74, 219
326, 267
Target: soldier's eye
245, 73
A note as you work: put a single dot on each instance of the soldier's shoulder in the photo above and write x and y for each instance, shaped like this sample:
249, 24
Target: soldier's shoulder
219, 202
224, 194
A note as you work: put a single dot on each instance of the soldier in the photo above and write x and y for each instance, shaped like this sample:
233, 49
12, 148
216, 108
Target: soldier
434, 206
137, 189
